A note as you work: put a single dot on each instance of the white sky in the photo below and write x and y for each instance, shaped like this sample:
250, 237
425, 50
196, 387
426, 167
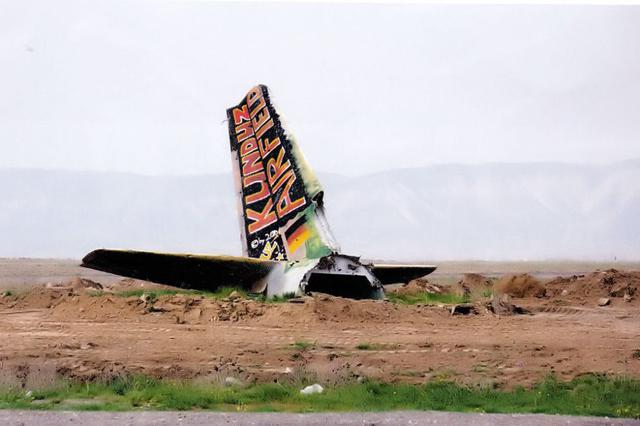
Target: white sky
143, 86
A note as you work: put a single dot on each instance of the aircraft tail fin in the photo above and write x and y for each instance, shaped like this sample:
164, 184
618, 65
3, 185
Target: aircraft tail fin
280, 200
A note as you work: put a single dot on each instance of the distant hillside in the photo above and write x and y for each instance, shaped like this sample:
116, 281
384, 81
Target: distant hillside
489, 211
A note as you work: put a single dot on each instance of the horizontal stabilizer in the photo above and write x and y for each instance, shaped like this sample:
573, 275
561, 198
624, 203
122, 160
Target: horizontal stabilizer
191, 271
391, 274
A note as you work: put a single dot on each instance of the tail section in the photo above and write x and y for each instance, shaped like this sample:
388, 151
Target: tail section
279, 197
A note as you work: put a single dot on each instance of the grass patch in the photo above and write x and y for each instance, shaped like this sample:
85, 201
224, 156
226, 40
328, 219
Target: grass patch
153, 294
219, 294
284, 298
375, 346
274, 299
587, 395
426, 298
480, 368
302, 345
364, 346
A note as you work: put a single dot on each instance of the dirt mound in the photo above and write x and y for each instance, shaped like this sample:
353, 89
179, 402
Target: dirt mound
324, 308
50, 294
103, 307
329, 308
473, 285
502, 305
36, 298
522, 285
186, 309
129, 284
599, 284
196, 309
78, 284
418, 286
181, 309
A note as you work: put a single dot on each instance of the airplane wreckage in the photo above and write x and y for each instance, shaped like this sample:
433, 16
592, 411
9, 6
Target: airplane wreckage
287, 244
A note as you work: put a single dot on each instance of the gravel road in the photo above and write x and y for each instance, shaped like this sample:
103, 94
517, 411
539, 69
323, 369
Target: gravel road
18, 417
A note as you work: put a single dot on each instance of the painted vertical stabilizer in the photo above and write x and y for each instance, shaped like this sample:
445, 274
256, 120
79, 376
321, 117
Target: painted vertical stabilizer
280, 200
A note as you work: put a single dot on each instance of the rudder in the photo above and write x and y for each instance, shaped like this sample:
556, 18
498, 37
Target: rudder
280, 200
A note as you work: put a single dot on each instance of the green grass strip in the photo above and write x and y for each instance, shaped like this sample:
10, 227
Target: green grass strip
219, 294
426, 298
588, 395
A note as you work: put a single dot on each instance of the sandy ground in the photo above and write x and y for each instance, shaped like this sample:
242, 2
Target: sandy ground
48, 332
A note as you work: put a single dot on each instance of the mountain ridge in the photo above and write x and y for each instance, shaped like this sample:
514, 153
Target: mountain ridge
493, 211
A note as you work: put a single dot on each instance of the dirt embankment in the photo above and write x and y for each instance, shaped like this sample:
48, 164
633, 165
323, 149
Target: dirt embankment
473, 286
519, 286
621, 286
87, 300
84, 329
584, 289
83, 299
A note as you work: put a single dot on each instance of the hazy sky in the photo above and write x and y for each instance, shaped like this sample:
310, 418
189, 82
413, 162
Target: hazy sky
143, 86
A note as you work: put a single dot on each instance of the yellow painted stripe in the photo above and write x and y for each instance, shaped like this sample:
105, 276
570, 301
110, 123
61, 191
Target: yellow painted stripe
299, 240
